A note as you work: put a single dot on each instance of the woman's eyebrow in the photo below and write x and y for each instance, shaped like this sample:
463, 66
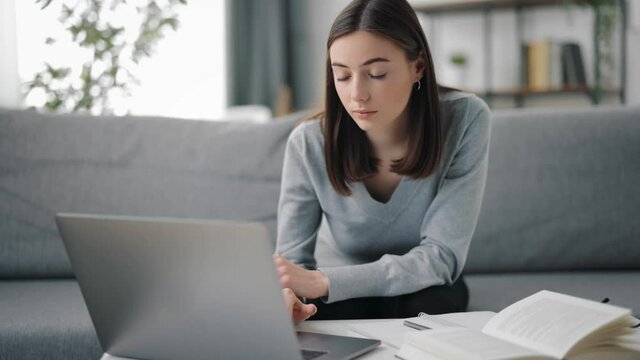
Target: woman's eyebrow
368, 62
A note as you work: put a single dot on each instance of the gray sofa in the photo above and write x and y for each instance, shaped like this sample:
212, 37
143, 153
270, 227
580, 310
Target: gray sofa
561, 209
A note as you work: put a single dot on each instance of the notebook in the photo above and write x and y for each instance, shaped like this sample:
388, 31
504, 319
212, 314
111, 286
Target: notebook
188, 289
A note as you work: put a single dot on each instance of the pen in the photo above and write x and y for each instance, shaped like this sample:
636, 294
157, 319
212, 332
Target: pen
412, 325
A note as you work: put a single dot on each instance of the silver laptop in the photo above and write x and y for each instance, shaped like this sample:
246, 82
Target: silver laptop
188, 289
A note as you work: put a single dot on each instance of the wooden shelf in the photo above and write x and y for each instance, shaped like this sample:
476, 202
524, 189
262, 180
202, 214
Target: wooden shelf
474, 5
523, 91
520, 95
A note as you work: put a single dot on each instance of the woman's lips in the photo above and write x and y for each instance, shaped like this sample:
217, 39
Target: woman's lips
364, 114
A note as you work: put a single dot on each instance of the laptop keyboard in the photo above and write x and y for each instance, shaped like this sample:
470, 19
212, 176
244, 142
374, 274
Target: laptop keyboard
311, 354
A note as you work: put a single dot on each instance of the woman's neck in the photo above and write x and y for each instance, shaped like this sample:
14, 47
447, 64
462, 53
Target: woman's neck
390, 143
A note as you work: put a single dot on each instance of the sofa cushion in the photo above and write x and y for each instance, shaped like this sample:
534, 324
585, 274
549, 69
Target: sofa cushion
561, 191
45, 319
496, 291
127, 166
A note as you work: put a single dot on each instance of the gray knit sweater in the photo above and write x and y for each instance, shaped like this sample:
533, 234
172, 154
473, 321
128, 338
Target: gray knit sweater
419, 238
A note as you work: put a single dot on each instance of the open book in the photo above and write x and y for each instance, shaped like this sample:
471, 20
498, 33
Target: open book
545, 325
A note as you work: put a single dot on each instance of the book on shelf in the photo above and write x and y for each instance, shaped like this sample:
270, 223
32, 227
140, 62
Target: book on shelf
545, 325
552, 65
539, 65
572, 65
555, 65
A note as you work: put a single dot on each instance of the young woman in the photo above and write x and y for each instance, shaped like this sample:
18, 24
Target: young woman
395, 165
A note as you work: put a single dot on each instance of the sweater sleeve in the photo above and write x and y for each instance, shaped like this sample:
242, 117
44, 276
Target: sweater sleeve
445, 232
299, 211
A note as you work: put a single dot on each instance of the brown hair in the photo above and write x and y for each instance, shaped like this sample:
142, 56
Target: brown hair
348, 152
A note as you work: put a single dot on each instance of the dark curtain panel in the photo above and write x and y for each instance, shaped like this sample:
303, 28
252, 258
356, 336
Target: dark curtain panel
263, 39
303, 66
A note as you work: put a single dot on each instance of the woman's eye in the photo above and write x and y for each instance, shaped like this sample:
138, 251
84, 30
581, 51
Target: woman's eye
371, 76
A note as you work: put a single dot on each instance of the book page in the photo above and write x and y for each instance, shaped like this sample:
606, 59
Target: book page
552, 323
460, 343
630, 341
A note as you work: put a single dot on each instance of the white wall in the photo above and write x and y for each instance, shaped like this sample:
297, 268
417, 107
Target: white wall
449, 33
9, 83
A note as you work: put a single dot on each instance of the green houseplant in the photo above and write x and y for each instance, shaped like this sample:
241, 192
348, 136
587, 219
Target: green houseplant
606, 16
459, 61
104, 73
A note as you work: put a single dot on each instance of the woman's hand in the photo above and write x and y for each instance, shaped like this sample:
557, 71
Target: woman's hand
299, 311
311, 284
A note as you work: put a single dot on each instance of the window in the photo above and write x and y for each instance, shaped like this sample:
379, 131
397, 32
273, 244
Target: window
185, 77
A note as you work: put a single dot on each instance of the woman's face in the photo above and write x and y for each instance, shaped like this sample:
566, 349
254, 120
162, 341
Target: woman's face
373, 79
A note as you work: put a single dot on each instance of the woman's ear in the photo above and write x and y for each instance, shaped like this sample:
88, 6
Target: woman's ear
419, 67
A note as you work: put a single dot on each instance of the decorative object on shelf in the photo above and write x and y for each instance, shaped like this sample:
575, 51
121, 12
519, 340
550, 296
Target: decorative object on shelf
604, 25
105, 74
459, 61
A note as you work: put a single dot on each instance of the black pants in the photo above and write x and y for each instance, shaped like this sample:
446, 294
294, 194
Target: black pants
432, 300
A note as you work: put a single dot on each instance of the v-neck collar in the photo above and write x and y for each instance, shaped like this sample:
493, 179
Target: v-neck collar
387, 212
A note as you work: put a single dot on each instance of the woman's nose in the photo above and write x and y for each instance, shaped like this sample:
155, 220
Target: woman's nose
360, 91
